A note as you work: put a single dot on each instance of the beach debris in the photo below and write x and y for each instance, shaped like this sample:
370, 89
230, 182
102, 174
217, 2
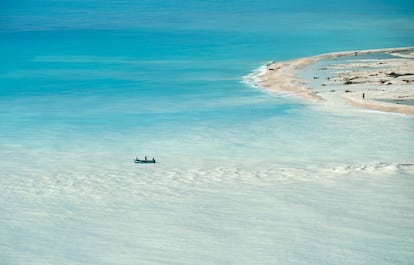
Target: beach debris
395, 75
347, 81
271, 66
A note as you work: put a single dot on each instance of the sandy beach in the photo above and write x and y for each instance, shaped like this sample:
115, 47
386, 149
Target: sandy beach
380, 79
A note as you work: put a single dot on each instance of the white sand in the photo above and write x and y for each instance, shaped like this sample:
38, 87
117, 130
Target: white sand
360, 82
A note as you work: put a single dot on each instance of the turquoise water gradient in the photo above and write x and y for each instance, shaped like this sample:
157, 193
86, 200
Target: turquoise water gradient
245, 177
80, 70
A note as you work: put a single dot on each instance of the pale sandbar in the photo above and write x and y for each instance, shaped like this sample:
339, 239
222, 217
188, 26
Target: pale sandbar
380, 79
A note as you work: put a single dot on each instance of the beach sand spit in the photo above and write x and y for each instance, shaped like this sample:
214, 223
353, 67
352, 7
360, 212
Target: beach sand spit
384, 83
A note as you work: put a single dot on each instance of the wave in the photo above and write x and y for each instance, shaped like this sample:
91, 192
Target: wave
252, 79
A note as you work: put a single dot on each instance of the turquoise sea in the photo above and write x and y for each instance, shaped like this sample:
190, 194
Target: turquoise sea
244, 176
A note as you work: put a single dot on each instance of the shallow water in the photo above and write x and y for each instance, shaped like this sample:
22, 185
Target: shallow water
402, 101
244, 177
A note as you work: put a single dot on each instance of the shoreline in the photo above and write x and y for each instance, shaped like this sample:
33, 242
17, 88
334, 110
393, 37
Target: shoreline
358, 82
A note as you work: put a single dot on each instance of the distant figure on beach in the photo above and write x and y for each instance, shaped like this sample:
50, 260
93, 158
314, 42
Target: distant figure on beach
145, 158
363, 95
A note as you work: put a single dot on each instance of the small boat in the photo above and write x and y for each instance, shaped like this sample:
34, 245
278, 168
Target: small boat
145, 161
